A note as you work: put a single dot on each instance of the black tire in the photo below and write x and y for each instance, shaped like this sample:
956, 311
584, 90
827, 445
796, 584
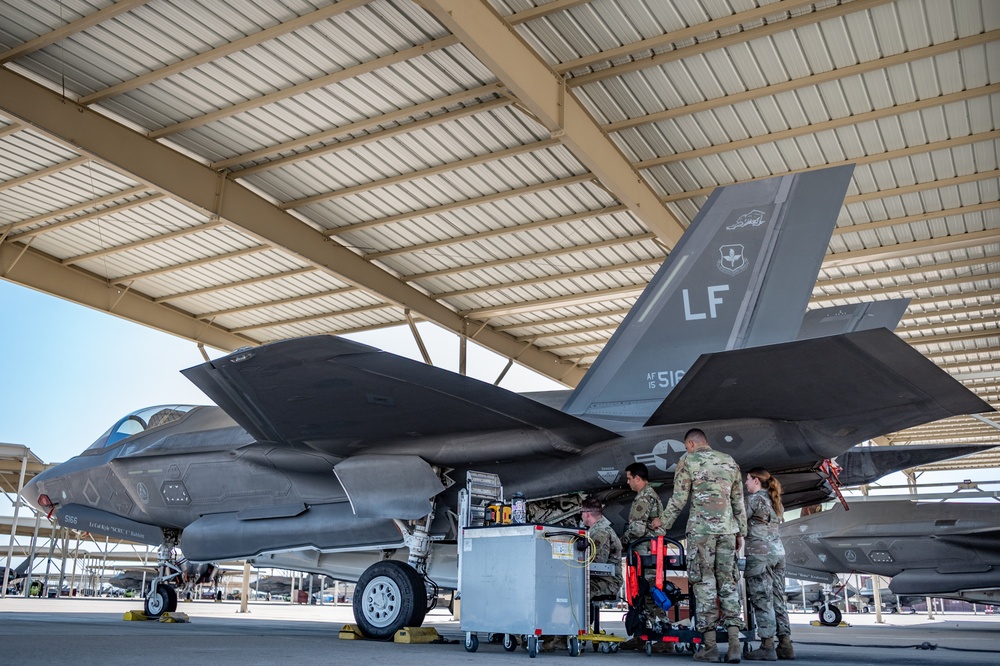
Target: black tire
471, 642
574, 646
509, 642
532, 646
171, 599
389, 595
829, 617
157, 601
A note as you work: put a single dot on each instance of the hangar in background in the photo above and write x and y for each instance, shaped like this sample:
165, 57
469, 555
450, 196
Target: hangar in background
236, 172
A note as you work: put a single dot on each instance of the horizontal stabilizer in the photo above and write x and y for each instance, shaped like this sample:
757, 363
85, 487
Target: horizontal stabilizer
838, 319
865, 464
346, 398
863, 384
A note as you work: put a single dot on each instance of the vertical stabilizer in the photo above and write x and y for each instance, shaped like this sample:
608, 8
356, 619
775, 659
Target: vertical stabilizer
741, 276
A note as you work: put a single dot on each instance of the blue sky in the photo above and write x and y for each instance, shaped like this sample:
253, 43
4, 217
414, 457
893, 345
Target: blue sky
70, 372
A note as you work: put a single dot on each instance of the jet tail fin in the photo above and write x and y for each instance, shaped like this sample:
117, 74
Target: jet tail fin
741, 276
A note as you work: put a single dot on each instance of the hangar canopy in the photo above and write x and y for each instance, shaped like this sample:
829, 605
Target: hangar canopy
241, 171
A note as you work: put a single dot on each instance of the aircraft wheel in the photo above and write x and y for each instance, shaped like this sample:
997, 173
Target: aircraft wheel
471, 642
389, 596
171, 599
509, 642
158, 601
532, 646
829, 617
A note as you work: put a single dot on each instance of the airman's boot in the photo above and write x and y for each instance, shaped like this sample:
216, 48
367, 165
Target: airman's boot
709, 651
785, 649
733, 656
765, 652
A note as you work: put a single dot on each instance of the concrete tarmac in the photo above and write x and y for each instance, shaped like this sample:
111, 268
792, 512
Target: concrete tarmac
86, 632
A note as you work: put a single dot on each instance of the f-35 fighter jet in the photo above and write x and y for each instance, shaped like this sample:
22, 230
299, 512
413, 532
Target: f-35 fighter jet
329, 456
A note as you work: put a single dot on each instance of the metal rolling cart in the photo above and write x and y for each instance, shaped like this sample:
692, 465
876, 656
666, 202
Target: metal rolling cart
523, 580
661, 560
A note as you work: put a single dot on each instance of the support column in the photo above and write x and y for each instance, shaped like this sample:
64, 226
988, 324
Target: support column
13, 525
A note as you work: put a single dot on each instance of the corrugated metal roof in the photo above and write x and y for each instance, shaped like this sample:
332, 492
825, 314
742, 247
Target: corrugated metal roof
371, 123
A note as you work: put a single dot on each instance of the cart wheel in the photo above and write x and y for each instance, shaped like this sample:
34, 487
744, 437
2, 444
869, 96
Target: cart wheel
574, 646
614, 647
532, 646
471, 642
649, 649
604, 647
509, 642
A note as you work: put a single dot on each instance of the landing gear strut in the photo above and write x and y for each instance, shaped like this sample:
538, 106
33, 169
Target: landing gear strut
391, 595
162, 598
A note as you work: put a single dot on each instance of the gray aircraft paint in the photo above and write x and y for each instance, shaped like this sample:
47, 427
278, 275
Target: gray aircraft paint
288, 470
949, 550
741, 276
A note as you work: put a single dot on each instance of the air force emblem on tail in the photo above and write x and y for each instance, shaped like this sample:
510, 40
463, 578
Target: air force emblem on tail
732, 261
664, 455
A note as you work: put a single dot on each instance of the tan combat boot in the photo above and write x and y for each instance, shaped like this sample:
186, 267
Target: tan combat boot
709, 651
785, 650
765, 652
733, 656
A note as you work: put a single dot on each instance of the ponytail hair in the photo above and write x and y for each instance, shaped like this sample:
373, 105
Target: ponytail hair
771, 485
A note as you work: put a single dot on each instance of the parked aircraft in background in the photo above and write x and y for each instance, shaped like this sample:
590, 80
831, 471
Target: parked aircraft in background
329, 456
936, 549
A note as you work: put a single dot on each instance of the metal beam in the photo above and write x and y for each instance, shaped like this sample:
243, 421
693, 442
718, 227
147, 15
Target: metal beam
464, 203
236, 284
838, 74
72, 28
40, 271
421, 173
739, 37
196, 184
544, 94
816, 128
875, 158
368, 125
226, 49
314, 84
502, 231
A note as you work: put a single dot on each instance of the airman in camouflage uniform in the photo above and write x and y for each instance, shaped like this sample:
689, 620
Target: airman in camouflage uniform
645, 507
607, 550
715, 531
765, 570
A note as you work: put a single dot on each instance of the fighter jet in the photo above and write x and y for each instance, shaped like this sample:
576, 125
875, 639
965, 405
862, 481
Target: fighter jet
947, 550
328, 456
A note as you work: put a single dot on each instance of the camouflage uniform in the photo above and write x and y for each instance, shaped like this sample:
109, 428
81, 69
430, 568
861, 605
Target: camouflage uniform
645, 507
765, 570
714, 482
608, 550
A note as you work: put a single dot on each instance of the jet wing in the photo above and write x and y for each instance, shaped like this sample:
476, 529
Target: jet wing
345, 398
864, 383
865, 464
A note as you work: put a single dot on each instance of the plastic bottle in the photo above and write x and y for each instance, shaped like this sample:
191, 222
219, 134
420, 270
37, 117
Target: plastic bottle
518, 510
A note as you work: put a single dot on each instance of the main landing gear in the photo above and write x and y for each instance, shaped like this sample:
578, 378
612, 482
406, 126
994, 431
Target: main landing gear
160, 597
391, 595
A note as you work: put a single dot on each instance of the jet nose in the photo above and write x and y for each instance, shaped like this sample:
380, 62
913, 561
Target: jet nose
35, 488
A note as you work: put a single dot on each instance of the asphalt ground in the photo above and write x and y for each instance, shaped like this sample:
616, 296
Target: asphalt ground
82, 632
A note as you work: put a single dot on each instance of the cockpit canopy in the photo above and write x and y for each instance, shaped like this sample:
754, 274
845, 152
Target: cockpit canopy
139, 421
